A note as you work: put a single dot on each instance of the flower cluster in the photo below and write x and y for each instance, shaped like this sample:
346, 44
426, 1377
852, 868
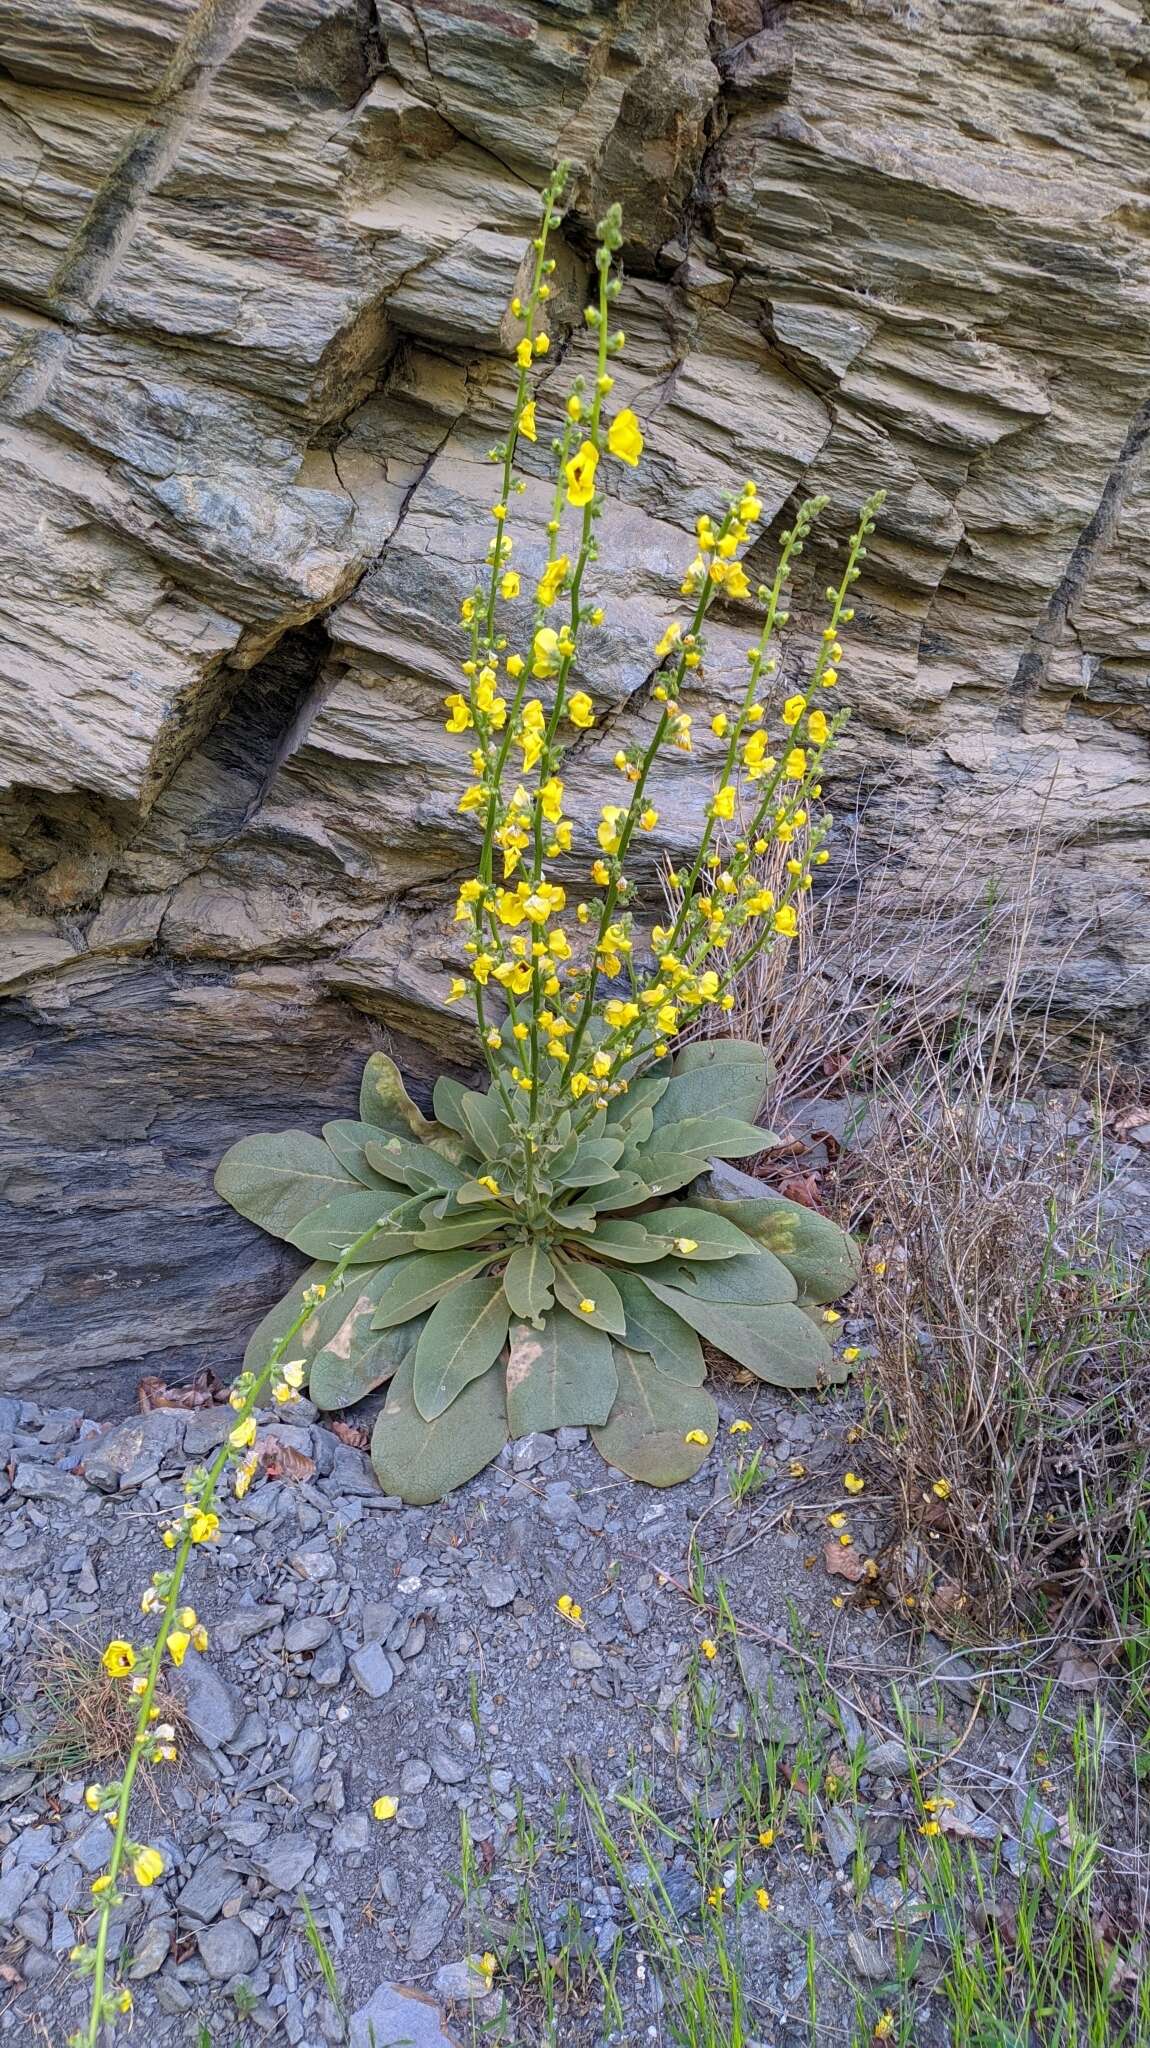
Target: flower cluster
541, 951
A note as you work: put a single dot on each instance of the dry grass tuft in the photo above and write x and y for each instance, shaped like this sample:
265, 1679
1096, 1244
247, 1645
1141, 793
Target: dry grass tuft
89, 1718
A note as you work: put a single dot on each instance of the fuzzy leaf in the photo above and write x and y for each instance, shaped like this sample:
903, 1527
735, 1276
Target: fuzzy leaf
447, 1101
279, 1319
624, 1193
646, 1434
462, 1338
327, 1232
664, 1172
473, 1226
422, 1461
488, 1122
713, 1137
715, 1074
653, 1327
755, 1279
384, 1101
626, 1111
528, 1283
399, 1232
416, 1283
414, 1166
353, 1359
713, 1236
590, 1168
347, 1140
277, 1179
576, 1282
629, 1244
561, 1375
823, 1259
778, 1344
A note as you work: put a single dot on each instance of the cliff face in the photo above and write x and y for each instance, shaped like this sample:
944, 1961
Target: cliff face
254, 344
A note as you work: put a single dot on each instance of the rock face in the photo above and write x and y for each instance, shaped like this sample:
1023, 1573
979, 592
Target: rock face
254, 346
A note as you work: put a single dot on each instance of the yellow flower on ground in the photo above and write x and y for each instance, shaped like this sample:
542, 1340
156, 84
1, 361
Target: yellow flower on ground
837, 1521
763, 1899
709, 1648
796, 1469
385, 1807
580, 710
766, 1838
625, 437
884, 2027
697, 1436
852, 1482
147, 1866
851, 1353
527, 421
118, 1659
569, 1608
738, 1429
831, 1315
580, 474
941, 1488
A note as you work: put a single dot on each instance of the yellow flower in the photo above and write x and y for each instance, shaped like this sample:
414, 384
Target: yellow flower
548, 586
200, 1638
719, 725
586, 1306
147, 1866
795, 765
763, 1899
580, 710
884, 2027
766, 1838
941, 1488
709, 1648
101, 1884
118, 1659
697, 1436
457, 991
205, 1527
92, 1794
515, 666
488, 1964
569, 1608
853, 1483
796, 1469
523, 353
580, 474
625, 438
178, 1642
649, 818
793, 710
930, 1827
509, 583
609, 830
686, 1245
488, 1181
186, 1617
670, 639
600, 873
545, 652
738, 1429
527, 422
243, 1434
717, 1897
851, 1353
837, 1521
723, 802
787, 921
817, 729
542, 344
460, 713
831, 1315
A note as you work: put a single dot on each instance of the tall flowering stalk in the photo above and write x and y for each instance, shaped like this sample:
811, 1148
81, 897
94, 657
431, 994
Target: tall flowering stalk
178, 1629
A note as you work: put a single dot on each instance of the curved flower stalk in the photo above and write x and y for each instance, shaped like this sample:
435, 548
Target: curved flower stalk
532, 1269
178, 1629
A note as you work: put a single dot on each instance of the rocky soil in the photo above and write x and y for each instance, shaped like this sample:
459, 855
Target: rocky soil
252, 350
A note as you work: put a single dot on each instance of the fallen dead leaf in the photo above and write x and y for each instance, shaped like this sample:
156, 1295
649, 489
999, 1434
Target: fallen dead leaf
204, 1392
844, 1564
283, 1461
1079, 1672
351, 1433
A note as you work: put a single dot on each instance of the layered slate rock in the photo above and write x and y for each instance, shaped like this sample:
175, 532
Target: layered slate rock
253, 349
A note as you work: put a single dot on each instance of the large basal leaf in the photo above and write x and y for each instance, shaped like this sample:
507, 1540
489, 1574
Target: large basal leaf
383, 1100
463, 1336
647, 1431
712, 1237
663, 1172
562, 1375
756, 1279
709, 1075
488, 1122
417, 1281
593, 1164
279, 1320
631, 1109
529, 1282
277, 1179
576, 1282
329, 1230
823, 1259
413, 1166
474, 1226
625, 1192
347, 1140
711, 1137
779, 1344
627, 1243
447, 1102
354, 1359
653, 1327
422, 1461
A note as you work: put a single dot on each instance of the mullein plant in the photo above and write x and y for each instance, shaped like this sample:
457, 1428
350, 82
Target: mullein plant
533, 1255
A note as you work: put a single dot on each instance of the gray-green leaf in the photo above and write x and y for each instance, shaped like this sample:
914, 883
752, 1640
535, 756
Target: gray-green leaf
416, 1283
328, 1231
628, 1243
576, 1282
710, 1236
414, 1166
562, 1375
711, 1137
528, 1282
354, 1359
647, 1431
347, 1139
277, 1179
715, 1074
778, 1344
279, 1320
422, 1461
463, 1336
823, 1259
653, 1327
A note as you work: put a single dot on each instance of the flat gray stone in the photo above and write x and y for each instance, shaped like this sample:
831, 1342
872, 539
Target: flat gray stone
498, 1589
396, 2013
213, 1707
284, 1862
208, 1890
150, 1950
427, 1928
228, 1949
14, 1889
372, 1672
134, 1450
307, 1632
